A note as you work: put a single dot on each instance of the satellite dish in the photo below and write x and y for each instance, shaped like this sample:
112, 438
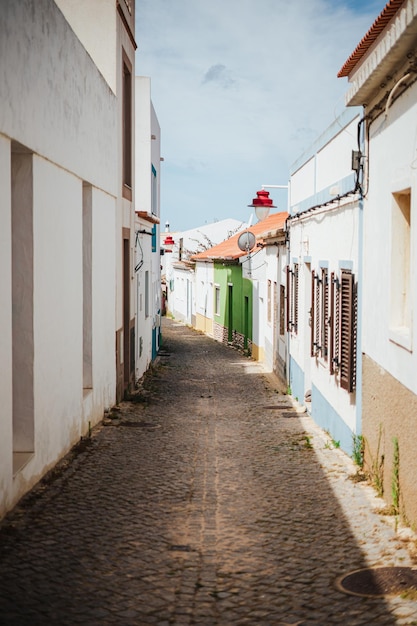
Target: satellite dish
246, 241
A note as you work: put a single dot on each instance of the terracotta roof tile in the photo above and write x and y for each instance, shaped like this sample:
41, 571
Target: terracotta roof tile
229, 250
373, 33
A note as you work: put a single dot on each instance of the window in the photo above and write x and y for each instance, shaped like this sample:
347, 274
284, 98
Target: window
281, 310
342, 328
153, 242
127, 128
147, 294
216, 300
320, 313
347, 331
324, 313
154, 192
292, 299
400, 305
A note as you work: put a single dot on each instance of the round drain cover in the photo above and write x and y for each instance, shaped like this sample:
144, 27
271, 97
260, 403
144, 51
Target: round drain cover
378, 581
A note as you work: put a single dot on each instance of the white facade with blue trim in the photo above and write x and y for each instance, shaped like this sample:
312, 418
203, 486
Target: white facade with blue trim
324, 233
389, 356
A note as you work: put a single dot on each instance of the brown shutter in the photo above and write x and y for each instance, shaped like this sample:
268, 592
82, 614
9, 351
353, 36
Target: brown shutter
347, 359
317, 345
281, 310
312, 313
336, 324
295, 298
324, 313
354, 334
331, 325
288, 306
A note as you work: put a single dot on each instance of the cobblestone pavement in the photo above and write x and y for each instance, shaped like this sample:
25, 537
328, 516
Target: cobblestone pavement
202, 505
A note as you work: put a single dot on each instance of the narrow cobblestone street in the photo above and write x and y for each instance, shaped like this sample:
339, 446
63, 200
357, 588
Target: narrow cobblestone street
203, 505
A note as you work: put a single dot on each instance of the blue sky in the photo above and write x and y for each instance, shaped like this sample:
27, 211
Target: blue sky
241, 88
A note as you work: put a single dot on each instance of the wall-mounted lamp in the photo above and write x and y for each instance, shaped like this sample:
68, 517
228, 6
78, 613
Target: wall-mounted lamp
262, 204
168, 244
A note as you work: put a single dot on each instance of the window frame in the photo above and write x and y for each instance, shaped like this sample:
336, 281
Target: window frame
292, 298
127, 126
217, 300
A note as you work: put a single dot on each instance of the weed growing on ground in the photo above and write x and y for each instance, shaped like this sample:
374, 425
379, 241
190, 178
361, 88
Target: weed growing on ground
358, 450
377, 466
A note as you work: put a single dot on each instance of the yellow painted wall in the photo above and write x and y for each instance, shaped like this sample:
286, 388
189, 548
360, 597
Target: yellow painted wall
205, 324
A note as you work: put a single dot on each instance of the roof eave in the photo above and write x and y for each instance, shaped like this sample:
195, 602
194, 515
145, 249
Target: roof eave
376, 68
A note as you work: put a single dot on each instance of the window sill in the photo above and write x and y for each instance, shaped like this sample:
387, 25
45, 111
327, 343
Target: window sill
127, 191
401, 336
20, 459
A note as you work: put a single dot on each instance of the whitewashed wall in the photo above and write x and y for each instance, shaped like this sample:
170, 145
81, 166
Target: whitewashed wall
58, 126
204, 285
392, 167
325, 237
43, 100
182, 298
330, 240
147, 201
95, 24
144, 311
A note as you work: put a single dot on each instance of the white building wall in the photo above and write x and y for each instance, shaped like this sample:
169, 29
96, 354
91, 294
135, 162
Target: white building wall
335, 158
47, 73
326, 237
392, 163
58, 316
327, 240
275, 343
254, 269
182, 300
94, 22
145, 297
103, 315
147, 201
204, 284
156, 257
303, 182
46, 154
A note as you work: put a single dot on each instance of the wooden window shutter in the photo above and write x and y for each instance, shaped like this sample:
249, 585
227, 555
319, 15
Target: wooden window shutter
288, 307
336, 324
292, 299
313, 313
331, 323
354, 334
324, 317
347, 337
295, 298
317, 345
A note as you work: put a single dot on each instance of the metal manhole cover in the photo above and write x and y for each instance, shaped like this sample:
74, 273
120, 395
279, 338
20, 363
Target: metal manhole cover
378, 581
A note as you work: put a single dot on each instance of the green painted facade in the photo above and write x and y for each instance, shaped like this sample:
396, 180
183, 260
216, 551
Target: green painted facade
236, 296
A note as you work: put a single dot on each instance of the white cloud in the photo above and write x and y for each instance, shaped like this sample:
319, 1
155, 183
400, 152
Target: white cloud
241, 88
